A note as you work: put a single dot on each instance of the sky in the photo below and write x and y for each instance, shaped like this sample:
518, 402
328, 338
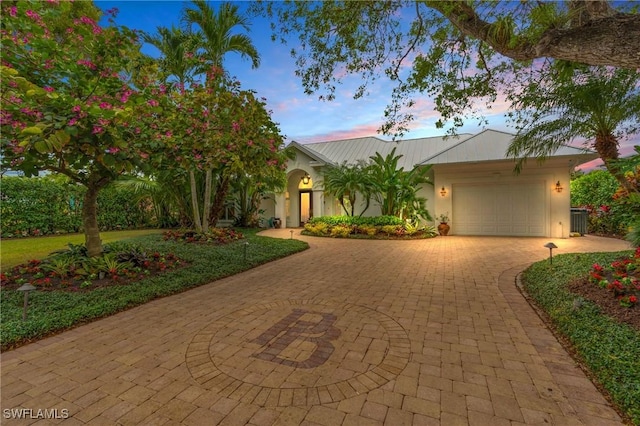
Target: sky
302, 118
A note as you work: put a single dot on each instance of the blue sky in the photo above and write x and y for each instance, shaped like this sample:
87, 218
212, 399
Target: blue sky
301, 117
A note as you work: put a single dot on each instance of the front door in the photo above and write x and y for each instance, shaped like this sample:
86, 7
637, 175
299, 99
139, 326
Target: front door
306, 206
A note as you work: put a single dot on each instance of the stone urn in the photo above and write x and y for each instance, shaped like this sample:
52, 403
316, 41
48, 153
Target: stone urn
443, 228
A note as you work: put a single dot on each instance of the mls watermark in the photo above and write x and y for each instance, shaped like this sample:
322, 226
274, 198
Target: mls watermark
40, 413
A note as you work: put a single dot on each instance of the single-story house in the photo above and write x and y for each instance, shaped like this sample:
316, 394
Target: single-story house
474, 183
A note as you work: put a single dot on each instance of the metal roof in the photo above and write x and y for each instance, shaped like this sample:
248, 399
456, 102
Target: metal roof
488, 145
412, 150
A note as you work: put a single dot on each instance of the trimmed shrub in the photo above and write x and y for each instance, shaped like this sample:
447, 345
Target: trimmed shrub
48, 205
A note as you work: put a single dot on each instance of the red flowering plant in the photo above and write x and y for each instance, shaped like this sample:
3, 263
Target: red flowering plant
69, 103
621, 278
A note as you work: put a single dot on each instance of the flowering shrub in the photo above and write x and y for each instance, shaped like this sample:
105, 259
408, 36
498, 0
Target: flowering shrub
214, 235
621, 278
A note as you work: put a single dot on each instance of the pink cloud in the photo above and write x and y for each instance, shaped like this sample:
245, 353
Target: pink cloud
359, 131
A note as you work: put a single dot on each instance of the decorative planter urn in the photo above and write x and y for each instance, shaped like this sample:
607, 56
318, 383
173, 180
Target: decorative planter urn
443, 229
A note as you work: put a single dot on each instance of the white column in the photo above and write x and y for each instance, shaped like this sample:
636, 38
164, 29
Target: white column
280, 209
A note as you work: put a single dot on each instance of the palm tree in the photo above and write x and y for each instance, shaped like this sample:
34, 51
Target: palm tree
216, 33
596, 104
215, 39
344, 182
178, 49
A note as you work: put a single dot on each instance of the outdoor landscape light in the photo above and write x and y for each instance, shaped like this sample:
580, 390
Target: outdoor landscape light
291, 234
443, 191
26, 288
306, 178
558, 187
550, 246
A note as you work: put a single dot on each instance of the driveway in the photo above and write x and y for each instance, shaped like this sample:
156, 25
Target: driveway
348, 332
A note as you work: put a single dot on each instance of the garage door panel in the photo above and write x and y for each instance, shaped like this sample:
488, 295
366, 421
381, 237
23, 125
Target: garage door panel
517, 209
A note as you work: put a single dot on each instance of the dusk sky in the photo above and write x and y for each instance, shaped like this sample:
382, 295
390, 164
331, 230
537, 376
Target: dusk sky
301, 117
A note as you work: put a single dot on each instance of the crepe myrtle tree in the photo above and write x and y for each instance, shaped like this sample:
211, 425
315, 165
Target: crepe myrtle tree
67, 104
224, 131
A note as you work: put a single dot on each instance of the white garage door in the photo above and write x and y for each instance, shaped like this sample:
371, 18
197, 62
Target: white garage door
517, 209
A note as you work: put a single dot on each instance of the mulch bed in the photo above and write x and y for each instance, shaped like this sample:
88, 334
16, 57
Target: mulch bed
607, 302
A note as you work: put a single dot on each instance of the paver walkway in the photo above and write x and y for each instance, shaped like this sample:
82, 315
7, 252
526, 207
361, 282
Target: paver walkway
348, 332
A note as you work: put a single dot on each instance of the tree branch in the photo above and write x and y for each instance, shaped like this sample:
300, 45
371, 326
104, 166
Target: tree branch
604, 39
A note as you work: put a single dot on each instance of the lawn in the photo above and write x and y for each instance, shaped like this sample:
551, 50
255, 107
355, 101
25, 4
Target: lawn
20, 250
54, 311
608, 348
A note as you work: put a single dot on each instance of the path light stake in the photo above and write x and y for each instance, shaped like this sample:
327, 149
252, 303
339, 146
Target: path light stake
550, 246
26, 289
291, 234
246, 246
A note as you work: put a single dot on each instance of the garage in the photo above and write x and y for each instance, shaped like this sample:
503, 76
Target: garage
504, 209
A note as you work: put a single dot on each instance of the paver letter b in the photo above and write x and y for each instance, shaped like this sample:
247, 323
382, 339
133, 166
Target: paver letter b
293, 328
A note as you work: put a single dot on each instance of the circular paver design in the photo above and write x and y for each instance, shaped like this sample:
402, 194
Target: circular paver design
298, 352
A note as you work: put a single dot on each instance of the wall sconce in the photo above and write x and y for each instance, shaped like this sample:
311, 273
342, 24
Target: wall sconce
305, 179
443, 192
558, 187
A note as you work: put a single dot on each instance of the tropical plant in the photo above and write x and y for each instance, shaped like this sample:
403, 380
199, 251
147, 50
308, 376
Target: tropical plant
395, 189
215, 33
595, 104
345, 181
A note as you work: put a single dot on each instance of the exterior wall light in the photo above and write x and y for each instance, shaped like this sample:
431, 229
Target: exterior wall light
443, 192
558, 187
305, 179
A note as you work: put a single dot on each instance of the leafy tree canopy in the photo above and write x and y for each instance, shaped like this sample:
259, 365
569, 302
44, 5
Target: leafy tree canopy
459, 53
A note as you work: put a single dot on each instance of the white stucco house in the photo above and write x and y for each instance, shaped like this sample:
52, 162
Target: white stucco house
473, 182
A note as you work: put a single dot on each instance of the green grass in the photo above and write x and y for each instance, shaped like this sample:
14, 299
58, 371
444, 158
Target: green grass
54, 311
20, 250
611, 351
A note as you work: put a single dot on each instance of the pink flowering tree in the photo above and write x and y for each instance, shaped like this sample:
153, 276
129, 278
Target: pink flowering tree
223, 133
68, 105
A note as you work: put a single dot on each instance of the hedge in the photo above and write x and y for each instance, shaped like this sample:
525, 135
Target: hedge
48, 205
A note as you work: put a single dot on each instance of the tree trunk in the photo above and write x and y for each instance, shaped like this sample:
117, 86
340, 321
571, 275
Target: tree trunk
607, 148
218, 200
194, 201
90, 221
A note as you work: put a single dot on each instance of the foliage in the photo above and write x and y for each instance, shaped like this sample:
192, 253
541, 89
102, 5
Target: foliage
614, 359
69, 99
621, 277
612, 210
73, 269
54, 311
443, 217
233, 136
48, 205
598, 105
595, 188
372, 227
357, 221
345, 181
214, 235
395, 189
456, 53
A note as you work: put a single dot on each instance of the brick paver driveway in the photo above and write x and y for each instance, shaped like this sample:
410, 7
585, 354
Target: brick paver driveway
348, 332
